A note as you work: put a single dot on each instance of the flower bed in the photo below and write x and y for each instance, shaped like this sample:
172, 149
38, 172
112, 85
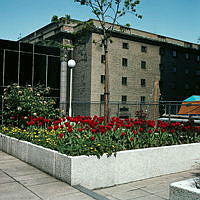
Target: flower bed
89, 136
91, 172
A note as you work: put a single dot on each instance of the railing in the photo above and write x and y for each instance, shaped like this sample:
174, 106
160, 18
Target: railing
164, 110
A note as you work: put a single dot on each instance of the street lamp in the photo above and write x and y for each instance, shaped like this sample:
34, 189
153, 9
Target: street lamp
71, 64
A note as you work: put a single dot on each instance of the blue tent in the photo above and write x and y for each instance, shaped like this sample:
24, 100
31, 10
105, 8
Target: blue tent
193, 98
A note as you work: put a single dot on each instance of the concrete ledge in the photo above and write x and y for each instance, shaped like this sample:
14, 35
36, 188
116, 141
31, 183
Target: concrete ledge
92, 172
184, 190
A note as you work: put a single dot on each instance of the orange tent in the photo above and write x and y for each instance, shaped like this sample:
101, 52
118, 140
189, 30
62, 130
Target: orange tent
190, 106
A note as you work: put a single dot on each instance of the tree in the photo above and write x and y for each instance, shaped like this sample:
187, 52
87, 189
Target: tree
109, 10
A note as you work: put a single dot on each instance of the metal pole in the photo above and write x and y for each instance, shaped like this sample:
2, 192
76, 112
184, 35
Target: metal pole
33, 63
18, 74
4, 58
2, 109
47, 70
70, 95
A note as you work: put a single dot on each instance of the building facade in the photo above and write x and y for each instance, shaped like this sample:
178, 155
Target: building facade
143, 68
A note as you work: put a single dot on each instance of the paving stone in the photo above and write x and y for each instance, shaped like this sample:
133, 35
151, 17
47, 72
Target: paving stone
130, 194
20, 170
15, 191
32, 176
150, 197
38, 181
163, 194
52, 189
4, 178
111, 190
72, 196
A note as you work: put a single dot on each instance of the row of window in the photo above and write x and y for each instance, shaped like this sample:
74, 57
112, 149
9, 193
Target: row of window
126, 46
174, 54
125, 62
186, 70
124, 81
124, 98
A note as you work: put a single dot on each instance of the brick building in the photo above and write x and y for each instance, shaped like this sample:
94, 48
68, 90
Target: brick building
143, 67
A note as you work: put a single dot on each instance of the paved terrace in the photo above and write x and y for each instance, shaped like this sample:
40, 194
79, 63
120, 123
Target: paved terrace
20, 181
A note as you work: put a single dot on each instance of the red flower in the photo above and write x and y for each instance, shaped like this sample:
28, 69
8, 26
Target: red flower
131, 139
135, 132
69, 130
150, 131
162, 130
172, 131
108, 127
39, 123
80, 129
141, 129
93, 130
123, 134
102, 130
92, 138
61, 135
30, 123
50, 128
40, 118
55, 127
151, 124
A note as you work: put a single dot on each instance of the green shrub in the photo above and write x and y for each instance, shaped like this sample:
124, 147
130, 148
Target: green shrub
20, 102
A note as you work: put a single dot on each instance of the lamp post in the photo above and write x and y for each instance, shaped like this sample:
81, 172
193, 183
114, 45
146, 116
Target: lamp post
71, 64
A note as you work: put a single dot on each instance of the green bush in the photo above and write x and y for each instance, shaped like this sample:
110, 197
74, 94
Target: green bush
20, 102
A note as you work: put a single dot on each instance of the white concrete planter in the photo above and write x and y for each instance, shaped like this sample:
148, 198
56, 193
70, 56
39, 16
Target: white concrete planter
184, 190
92, 172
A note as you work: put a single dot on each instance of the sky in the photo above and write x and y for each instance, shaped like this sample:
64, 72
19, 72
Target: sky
178, 19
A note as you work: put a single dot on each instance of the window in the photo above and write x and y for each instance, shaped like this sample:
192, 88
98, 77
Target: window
174, 69
187, 86
103, 58
198, 72
143, 64
101, 98
124, 99
142, 99
143, 82
143, 49
161, 67
162, 51
174, 53
102, 78
187, 56
187, 45
162, 38
125, 45
124, 62
124, 80
198, 58
124, 109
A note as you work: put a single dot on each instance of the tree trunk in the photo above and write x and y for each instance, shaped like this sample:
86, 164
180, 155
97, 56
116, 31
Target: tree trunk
106, 85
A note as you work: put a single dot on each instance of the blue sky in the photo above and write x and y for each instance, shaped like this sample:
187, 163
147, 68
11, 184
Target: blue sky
179, 19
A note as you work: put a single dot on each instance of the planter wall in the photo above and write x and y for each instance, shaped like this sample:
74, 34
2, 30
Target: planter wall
92, 172
184, 190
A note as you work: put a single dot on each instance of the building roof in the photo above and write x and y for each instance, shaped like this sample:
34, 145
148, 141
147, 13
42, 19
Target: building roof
131, 32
